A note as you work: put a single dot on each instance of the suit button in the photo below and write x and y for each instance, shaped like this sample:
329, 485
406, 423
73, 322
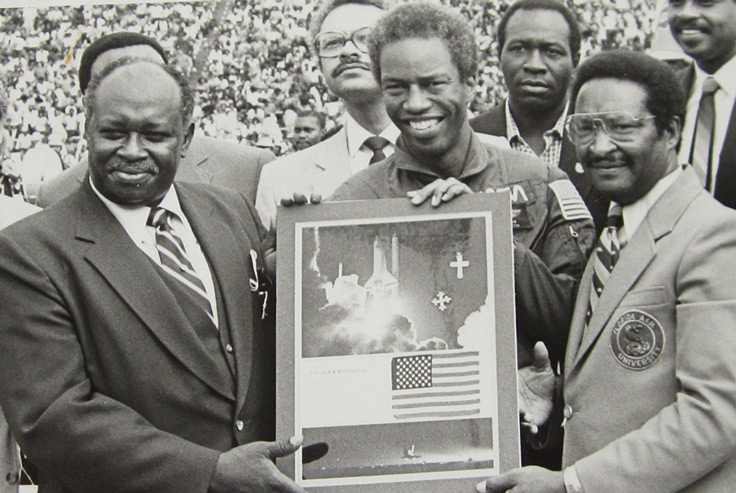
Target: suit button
12, 478
239, 424
229, 348
567, 412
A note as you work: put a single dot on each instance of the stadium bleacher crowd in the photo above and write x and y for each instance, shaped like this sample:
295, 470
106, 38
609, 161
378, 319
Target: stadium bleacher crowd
249, 60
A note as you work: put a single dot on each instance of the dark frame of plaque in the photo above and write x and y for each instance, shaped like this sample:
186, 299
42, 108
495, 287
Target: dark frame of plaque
386, 348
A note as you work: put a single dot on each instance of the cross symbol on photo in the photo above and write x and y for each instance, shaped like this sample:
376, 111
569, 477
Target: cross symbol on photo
459, 264
441, 301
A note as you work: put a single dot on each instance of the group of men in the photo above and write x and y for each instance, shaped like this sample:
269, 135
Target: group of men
138, 347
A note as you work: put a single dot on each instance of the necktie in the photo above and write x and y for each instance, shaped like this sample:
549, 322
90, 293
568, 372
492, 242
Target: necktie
376, 144
701, 152
606, 255
174, 259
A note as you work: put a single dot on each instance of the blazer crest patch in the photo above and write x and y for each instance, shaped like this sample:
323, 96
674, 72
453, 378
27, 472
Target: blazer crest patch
637, 340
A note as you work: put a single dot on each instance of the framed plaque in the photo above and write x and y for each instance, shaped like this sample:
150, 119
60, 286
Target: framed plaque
396, 343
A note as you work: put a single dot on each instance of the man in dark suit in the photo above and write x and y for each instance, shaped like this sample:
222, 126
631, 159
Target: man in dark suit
706, 31
539, 48
135, 355
207, 160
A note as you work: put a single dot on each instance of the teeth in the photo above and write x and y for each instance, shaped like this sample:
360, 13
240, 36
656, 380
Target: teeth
424, 124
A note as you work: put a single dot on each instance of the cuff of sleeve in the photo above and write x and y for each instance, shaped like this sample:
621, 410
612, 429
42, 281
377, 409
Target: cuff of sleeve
572, 482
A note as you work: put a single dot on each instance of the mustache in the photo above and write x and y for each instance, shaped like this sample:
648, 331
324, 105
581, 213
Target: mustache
602, 161
679, 25
348, 65
134, 167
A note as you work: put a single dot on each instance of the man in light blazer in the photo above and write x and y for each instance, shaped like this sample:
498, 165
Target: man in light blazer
650, 375
208, 160
339, 30
121, 371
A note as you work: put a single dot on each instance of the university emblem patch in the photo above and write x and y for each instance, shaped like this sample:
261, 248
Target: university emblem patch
637, 340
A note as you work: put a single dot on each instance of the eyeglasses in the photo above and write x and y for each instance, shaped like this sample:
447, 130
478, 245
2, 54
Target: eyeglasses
330, 43
620, 126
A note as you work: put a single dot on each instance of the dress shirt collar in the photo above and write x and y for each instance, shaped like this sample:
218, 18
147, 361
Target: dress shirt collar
133, 219
512, 129
635, 213
356, 134
725, 76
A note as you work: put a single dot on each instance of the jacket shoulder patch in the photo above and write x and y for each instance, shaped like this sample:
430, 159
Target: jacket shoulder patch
572, 204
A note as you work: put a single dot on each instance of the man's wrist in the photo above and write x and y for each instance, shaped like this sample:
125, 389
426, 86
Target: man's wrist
572, 482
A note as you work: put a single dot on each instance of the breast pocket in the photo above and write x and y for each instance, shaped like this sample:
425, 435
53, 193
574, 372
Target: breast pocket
650, 296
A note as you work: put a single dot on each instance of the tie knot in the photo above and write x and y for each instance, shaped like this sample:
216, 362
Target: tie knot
159, 217
376, 143
710, 85
615, 218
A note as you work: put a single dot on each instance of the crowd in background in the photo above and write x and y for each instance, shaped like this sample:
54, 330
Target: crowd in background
249, 60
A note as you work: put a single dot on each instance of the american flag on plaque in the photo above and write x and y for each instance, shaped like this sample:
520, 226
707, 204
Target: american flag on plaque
436, 385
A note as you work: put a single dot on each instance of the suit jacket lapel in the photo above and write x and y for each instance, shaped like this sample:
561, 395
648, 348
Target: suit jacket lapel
132, 276
636, 256
334, 153
231, 271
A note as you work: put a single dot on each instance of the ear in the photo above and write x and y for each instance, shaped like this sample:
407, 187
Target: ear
187, 139
673, 130
469, 90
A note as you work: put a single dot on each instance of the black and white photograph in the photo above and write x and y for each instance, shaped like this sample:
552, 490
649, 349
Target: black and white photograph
367, 245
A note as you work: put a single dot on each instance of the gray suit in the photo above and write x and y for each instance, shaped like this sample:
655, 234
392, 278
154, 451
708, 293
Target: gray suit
650, 384
320, 168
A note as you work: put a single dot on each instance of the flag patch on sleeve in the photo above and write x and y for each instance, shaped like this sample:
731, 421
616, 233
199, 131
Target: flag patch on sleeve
570, 201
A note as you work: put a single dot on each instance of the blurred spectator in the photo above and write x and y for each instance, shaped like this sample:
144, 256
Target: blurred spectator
248, 59
40, 163
307, 130
11, 209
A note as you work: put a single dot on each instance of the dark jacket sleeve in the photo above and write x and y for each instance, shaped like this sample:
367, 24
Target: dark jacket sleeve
548, 270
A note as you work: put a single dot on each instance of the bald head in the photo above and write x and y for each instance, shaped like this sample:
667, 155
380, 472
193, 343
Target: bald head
146, 74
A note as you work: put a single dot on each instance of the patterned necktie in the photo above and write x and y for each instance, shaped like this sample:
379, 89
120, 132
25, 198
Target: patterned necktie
376, 144
606, 255
701, 152
174, 259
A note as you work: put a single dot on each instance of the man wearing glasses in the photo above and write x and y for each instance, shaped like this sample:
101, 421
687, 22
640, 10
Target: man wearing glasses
339, 30
650, 375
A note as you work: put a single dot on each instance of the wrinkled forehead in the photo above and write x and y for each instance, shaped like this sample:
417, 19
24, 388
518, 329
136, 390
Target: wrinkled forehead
136, 51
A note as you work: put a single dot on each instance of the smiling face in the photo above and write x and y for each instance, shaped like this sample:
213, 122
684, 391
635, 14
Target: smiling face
348, 75
427, 100
625, 172
136, 136
536, 61
705, 29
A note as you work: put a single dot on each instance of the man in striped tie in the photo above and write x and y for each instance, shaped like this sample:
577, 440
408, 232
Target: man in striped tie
706, 31
137, 354
649, 388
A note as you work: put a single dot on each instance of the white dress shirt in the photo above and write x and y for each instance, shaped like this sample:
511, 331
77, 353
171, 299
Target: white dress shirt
360, 155
724, 100
133, 220
634, 214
